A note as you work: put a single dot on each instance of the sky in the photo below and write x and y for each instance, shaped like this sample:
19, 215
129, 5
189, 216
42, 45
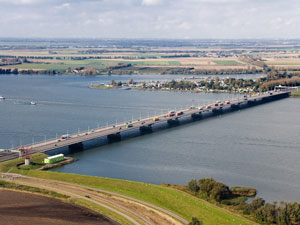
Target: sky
152, 19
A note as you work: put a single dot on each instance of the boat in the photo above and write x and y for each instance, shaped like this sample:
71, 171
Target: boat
2, 98
26, 103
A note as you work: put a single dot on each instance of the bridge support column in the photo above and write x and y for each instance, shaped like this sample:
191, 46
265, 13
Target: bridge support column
197, 116
173, 122
146, 129
217, 111
235, 107
114, 137
252, 103
76, 147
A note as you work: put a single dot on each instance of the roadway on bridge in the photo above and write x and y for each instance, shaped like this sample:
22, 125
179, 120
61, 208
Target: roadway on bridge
145, 122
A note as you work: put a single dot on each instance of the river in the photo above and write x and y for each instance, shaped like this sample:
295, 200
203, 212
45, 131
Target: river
257, 147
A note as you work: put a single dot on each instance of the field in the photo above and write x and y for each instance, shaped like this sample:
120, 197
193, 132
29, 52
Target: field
178, 202
24, 208
227, 62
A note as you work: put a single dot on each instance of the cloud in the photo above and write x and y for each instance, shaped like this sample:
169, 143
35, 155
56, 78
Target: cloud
150, 18
151, 2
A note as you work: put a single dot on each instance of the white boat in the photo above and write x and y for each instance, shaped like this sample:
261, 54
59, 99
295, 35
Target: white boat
32, 103
2, 98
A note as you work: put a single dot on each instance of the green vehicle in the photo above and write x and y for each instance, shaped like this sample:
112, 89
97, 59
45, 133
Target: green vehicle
129, 125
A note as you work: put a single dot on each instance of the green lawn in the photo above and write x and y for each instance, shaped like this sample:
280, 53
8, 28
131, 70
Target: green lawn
295, 93
180, 203
227, 63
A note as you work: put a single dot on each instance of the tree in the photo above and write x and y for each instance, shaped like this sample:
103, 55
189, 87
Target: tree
195, 221
130, 81
193, 186
113, 83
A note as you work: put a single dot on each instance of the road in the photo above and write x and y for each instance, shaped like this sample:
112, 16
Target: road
145, 122
134, 210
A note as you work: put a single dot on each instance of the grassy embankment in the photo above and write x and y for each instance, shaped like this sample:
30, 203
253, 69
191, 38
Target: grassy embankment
295, 94
176, 201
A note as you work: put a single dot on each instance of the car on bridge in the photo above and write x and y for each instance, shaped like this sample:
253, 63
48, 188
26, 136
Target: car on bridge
129, 125
65, 136
171, 113
155, 119
179, 113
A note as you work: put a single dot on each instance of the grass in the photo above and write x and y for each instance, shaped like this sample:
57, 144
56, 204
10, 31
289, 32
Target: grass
10, 185
178, 202
88, 63
36, 159
149, 63
295, 94
227, 63
104, 211
181, 203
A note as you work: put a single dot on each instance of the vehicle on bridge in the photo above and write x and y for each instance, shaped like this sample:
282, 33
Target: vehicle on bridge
227, 102
155, 119
65, 136
179, 113
129, 125
171, 113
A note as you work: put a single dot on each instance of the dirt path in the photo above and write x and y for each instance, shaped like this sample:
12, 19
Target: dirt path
137, 211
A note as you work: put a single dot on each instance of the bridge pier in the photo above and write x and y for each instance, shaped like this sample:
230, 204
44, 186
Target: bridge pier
76, 147
146, 129
197, 116
217, 111
114, 137
235, 107
252, 102
173, 122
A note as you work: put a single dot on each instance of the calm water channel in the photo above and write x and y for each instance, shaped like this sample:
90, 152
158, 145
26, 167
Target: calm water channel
257, 147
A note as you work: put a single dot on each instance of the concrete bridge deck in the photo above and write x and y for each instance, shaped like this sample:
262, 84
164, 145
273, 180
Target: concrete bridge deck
113, 133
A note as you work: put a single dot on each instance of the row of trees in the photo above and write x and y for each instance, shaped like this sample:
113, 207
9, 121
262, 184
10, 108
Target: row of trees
284, 213
269, 85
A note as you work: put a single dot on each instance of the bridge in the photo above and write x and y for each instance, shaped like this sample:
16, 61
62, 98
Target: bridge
145, 125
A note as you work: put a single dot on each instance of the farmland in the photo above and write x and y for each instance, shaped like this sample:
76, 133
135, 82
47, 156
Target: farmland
96, 57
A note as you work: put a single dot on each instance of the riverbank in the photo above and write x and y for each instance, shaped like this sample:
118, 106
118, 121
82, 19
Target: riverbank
295, 94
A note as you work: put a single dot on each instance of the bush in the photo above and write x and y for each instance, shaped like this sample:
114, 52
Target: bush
193, 186
195, 221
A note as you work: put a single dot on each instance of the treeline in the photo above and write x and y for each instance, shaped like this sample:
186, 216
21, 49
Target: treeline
269, 85
29, 72
284, 213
